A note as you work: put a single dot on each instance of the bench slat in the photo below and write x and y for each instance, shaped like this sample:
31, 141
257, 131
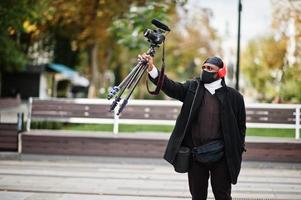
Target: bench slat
8, 139
8, 126
71, 115
8, 146
64, 106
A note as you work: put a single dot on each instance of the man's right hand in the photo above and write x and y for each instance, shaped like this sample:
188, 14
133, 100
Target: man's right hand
148, 59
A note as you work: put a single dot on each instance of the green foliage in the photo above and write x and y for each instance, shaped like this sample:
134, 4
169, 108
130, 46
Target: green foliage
128, 29
264, 65
189, 45
11, 56
261, 63
17, 25
186, 45
291, 86
287, 24
69, 29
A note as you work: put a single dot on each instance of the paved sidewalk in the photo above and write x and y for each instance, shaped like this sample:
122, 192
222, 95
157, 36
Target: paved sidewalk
32, 177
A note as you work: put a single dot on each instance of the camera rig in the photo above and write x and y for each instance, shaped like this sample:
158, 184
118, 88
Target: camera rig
155, 38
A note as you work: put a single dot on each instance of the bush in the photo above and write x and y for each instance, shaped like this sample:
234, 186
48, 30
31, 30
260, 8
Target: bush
46, 125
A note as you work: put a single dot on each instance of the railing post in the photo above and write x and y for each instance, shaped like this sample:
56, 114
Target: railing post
116, 119
20, 121
29, 114
297, 130
20, 128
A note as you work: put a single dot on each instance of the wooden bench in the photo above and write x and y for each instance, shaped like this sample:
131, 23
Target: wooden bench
142, 112
274, 116
154, 112
9, 134
96, 111
69, 110
64, 142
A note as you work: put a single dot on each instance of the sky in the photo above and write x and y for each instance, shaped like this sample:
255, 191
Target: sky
255, 17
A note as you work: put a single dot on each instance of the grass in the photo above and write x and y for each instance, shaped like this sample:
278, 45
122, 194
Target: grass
122, 128
267, 132
271, 132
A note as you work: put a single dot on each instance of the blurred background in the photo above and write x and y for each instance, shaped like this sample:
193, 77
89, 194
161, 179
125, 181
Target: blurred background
75, 48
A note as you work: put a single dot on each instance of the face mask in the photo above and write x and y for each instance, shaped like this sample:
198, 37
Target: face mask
208, 77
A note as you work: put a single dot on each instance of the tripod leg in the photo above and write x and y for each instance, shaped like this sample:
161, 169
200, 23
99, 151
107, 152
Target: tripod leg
115, 89
125, 101
118, 98
128, 77
134, 77
133, 81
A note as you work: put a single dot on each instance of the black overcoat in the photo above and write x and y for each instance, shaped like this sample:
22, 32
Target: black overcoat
233, 119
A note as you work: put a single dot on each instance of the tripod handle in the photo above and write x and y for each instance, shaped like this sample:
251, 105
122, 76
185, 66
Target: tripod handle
113, 92
114, 104
125, 101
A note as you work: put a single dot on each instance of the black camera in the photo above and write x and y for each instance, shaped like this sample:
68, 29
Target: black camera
156, 37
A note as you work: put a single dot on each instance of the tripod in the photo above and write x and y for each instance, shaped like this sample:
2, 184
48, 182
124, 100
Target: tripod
130, 82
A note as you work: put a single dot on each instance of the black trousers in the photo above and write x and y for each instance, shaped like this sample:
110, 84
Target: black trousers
198, 176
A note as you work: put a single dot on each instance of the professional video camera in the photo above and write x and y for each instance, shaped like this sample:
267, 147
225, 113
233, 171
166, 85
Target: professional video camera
155, 38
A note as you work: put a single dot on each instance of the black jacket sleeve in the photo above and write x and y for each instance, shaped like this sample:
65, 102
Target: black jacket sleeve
241, 121
171, 88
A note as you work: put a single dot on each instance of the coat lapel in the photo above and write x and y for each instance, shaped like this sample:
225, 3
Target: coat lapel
221, 95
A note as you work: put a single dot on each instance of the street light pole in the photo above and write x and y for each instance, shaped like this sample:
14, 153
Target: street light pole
238, 46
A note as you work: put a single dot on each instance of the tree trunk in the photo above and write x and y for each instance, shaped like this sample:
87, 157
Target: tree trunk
104, 68
93, 63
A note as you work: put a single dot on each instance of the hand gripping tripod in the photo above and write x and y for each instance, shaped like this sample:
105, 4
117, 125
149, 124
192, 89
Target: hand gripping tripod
130, 82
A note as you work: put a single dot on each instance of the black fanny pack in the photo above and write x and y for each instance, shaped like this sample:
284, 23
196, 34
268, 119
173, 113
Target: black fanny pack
210, 152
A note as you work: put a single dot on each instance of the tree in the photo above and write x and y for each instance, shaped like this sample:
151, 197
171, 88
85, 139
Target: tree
189, 44
272, 63
128, 32
105, 35
186, 45
263, 64
18, 28
88, 26
287, 22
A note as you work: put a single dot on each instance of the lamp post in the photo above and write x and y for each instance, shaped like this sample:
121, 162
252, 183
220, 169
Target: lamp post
238, 46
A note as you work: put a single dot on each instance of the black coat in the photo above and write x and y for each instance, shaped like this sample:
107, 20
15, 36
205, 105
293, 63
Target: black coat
233, 119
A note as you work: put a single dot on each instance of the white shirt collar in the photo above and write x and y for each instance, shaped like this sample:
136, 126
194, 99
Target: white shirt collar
211, 87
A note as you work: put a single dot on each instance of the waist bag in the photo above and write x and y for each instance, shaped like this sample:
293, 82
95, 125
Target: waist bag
210, 152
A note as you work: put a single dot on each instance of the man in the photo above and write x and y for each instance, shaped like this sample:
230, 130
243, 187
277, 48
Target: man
211, 112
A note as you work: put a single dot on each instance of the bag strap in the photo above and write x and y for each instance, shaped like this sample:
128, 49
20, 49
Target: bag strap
161, 76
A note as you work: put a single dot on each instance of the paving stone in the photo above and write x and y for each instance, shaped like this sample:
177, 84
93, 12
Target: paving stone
143, 179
